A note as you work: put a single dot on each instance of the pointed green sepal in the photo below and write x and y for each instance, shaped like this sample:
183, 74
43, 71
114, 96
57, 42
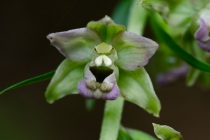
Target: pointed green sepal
75, 44
65, 80
136, 87
106, 28
133, 51
164, 132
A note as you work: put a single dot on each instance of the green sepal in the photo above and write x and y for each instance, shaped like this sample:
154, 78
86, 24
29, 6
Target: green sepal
133, 134
164, 132
106, 28
133, 51
76, 44
65, 80
136, 87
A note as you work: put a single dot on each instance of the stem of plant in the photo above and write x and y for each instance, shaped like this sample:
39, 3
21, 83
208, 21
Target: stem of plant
111, 120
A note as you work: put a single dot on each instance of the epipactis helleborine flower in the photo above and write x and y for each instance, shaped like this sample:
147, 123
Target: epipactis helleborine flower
202, 35
105, 52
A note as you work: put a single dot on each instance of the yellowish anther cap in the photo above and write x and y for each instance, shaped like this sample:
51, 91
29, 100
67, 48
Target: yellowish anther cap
103, 48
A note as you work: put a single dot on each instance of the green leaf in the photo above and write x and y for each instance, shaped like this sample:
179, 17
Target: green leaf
179, 51
164, 132
65, 80
30, 81
133, 134
136, 87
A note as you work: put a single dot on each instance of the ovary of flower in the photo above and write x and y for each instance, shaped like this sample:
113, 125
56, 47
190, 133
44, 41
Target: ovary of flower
103, 59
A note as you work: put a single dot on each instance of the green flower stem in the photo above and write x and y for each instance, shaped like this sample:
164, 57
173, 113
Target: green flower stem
137, 18
111, 120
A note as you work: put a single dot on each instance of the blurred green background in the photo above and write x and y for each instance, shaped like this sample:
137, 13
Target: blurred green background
25, 52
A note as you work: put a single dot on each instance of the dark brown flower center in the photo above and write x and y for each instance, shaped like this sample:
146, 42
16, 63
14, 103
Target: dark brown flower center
101, 73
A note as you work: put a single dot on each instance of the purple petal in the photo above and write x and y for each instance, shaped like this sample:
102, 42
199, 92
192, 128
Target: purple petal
113, 94
202, 36
84, 91
204, 45
97, 93
173, 75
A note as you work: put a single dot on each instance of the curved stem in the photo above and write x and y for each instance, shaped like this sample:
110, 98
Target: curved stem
111, 120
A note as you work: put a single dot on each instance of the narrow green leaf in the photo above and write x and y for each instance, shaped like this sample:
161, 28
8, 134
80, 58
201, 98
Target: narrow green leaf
65, 80
156, 23
164, 132
136, 87
30, 81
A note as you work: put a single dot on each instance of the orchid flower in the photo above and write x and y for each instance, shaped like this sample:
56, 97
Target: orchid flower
98, 61
202, 35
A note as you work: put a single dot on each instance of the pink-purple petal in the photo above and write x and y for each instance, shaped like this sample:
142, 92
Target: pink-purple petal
90, 93
84, 91
172, 75
113, 94
202, 36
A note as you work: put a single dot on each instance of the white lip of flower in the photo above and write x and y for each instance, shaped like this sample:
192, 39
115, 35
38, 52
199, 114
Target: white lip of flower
103, 59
